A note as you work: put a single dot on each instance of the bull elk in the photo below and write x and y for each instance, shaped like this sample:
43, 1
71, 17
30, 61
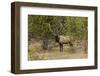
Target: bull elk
61, 39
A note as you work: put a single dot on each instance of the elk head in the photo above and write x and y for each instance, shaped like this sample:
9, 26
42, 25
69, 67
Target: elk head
55, 34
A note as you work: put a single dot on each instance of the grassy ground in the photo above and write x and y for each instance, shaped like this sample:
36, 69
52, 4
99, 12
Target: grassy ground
36, 52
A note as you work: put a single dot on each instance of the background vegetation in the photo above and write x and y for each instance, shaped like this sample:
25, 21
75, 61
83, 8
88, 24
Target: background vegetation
41, 41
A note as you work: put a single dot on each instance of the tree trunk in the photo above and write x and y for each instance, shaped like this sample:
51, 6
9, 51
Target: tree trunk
45, 44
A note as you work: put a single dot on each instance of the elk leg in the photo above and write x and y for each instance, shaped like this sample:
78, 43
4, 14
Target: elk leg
61, 47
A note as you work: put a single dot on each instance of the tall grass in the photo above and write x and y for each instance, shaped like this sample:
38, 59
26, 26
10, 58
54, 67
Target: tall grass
35, 52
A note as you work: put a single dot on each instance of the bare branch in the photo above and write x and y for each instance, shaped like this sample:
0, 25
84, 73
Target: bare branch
51, 29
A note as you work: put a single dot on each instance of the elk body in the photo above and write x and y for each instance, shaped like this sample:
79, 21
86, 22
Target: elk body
61, 39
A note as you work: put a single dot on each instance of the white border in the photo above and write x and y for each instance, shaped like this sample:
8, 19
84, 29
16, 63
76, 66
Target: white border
25, 64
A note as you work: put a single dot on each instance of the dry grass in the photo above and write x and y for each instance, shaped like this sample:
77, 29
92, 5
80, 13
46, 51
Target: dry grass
36, 52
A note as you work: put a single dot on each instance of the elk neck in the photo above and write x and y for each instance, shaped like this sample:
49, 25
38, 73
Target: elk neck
57, 38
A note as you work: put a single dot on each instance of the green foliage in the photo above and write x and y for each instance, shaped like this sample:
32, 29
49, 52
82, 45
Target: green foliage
77, 26
63, 25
